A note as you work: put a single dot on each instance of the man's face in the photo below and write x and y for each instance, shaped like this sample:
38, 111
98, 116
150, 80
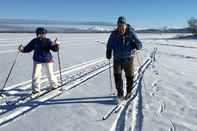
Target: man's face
122, 28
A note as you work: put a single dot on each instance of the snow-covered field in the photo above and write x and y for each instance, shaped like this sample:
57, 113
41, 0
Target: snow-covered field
164, 99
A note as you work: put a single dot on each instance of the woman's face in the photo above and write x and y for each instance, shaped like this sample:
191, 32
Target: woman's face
122, 28
41, 36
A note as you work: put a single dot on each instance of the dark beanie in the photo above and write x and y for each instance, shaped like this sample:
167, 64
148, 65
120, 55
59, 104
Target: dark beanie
121, 20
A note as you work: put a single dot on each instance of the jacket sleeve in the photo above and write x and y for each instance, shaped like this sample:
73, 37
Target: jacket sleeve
29, 47
136, 41
53, 47
110, 46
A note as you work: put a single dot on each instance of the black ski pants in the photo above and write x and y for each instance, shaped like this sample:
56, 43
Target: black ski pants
128, 68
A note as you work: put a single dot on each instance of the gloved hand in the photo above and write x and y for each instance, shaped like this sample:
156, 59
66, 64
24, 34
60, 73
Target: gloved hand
20, 48
56, 42
134, 51
56, 45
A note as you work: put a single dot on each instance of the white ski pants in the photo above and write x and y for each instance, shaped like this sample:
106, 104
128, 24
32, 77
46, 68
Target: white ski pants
37, 72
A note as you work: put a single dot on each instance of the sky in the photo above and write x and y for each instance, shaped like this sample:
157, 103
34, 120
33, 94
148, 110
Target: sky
139, 13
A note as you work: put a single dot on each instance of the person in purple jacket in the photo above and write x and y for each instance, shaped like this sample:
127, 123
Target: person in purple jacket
41, 45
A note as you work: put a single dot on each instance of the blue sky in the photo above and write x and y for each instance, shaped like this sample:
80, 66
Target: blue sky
139, 13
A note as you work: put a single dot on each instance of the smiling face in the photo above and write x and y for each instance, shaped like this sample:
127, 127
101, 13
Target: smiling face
122, 28
41, 35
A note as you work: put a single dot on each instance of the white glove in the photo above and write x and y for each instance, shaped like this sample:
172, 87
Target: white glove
56, 42
20, 48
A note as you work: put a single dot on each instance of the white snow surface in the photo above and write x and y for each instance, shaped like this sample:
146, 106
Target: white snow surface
165, 96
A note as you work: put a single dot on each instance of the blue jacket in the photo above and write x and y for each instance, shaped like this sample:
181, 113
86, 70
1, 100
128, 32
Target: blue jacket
41, 47
122, 45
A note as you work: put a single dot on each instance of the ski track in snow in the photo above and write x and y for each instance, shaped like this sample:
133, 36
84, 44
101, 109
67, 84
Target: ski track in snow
179, 55
172, 45
172, 128
27, 84
137, 111
162, 104
13, 112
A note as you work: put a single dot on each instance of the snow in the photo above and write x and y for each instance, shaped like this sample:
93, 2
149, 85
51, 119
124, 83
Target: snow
165, 96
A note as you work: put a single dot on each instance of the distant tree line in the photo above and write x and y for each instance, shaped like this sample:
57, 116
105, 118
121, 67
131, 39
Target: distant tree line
192, 23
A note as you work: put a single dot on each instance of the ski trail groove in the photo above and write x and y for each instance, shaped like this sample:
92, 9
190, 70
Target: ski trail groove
172, 128
137, 112
27, 84
90, 70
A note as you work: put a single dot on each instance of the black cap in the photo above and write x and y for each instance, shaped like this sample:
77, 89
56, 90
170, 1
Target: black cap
41, 30
121, 20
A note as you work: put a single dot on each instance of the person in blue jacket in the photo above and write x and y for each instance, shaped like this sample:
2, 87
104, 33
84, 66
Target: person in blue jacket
123, 42
41, 45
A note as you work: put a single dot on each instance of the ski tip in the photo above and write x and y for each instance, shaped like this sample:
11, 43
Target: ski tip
2, 96
103, 118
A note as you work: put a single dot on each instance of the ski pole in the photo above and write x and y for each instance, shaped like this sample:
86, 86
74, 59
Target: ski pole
110, 78
139, 63
14, 62
60, 70
59, 63
138, 59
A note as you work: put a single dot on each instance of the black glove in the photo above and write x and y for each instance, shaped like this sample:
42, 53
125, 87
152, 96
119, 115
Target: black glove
56, 47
